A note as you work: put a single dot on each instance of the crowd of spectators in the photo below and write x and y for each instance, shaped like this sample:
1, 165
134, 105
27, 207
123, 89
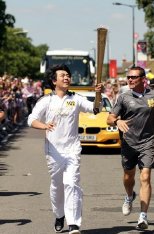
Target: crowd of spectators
17, 97
112, 88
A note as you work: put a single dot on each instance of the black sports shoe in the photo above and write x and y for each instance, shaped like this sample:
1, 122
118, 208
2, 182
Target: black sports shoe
74, 229
59, 224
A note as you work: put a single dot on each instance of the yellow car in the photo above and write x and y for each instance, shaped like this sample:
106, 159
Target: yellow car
93, 129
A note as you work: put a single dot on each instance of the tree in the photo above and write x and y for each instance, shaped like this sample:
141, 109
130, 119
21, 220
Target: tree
148, 8
20, 57
5, 20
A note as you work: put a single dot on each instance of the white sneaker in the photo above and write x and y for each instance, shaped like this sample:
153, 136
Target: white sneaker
142, 223
127, 206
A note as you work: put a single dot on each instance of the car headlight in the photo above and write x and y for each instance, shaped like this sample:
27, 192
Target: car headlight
112, 129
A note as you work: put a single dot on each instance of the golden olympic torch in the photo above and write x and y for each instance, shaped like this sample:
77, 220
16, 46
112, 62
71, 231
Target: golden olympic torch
101, 41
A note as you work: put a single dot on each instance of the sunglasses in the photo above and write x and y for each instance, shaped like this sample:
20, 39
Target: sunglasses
133, 77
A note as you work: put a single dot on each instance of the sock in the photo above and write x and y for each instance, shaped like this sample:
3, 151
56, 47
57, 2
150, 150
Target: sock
129, 199
143, 214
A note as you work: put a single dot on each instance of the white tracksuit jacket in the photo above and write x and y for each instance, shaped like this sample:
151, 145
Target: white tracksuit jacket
62, 149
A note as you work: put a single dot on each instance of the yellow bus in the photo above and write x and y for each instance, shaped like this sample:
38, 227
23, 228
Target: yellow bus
80, 63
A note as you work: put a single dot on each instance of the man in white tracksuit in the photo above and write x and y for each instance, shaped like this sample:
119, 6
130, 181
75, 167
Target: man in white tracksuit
58, 114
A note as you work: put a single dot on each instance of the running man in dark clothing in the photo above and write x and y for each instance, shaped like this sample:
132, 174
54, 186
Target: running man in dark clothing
134, 115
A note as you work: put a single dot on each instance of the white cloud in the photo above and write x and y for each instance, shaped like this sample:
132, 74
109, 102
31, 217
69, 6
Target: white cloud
49, 7
118, 16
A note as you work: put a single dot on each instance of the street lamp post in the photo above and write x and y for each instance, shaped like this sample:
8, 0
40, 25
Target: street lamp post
108, 55
133, 25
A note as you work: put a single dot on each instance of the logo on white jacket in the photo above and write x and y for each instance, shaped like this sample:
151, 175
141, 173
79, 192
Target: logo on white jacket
70, 103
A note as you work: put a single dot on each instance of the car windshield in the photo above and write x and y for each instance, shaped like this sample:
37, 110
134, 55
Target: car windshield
106, 103
79, 66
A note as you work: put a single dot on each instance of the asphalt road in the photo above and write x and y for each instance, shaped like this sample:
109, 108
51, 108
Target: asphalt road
24, 190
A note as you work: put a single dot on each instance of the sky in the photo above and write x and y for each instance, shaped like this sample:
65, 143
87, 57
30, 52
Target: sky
73, 24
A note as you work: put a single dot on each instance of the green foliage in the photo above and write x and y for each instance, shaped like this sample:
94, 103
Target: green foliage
143, 3
148, 8
149, 37
19, 57
5, 20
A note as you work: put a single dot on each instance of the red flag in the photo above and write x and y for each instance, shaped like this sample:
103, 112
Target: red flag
113, 68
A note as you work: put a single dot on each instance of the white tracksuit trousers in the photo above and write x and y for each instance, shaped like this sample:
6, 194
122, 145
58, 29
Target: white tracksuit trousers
65, 191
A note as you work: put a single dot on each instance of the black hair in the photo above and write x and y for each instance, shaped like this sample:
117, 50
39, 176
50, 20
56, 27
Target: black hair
51, 75
140, 69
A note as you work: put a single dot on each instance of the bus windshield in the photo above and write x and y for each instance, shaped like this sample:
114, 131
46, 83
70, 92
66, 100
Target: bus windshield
78, 65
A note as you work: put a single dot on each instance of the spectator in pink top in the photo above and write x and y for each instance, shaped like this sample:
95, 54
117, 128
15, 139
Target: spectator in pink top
28, 93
